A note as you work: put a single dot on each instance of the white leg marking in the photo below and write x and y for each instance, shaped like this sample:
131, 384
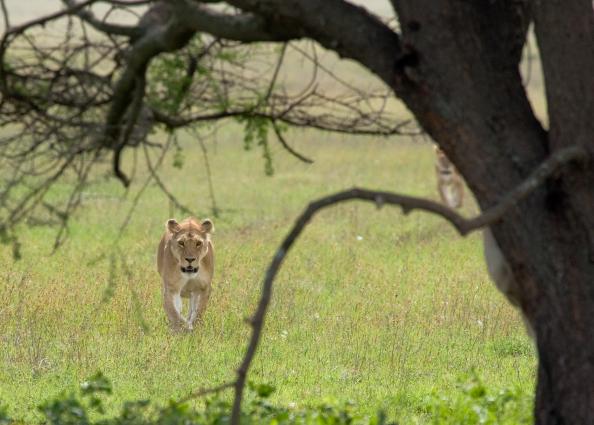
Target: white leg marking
177, 302
193, 310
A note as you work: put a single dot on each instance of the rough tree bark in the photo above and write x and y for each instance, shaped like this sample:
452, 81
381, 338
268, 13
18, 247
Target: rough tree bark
456, 67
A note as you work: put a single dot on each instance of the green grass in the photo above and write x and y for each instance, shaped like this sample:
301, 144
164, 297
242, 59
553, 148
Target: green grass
370, 306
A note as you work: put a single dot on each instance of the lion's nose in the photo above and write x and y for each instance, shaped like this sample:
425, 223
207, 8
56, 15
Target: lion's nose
189, 260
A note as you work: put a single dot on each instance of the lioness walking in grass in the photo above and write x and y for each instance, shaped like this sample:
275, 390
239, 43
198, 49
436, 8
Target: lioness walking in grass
449, 183
451, 190
185, 261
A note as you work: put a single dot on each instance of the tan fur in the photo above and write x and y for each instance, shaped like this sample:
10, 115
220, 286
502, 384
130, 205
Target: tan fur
449, 182
172, 256
451, 189
501, 274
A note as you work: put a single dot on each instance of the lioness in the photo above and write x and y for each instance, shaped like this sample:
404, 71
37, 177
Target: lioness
185, 261
449, 183
501, 273
451, 189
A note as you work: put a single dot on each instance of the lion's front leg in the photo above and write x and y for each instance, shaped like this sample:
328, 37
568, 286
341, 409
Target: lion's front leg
198, 302
193, 308
172, 304
204, 296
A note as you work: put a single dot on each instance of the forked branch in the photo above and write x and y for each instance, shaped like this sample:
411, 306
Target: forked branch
407, 203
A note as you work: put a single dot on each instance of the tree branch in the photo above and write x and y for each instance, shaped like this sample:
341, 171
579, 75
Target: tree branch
173, 122
245, 27
279, 63
352, 31
47, 18
134, 112
407, 203
164, 189
5, 14
169, 37
102, 26
214, 208
285, 145
206, 391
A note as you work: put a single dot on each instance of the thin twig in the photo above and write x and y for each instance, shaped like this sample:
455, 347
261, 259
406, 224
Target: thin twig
101, 25
164, 189
134, 112
407, 203
279, 63
136, 200
214, 208
283, 142
73, 202
45, 19
6, 16
206, 391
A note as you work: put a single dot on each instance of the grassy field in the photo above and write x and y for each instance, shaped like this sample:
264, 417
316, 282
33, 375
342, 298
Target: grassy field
371, 306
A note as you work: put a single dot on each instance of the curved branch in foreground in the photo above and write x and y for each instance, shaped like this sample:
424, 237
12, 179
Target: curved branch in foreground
407, 203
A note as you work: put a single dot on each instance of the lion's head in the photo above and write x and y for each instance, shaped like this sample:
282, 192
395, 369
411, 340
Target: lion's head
189, 242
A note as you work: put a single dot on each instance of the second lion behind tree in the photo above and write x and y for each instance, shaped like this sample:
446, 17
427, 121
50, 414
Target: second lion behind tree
449, 183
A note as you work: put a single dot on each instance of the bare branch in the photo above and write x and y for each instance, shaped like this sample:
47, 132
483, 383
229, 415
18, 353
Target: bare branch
45, 19
557, 160
132, 119
206, 391
161, 185
285, 145
246, 27
73, 202
6, 15
353, 32
279, 63
407, 203
82, 92
214, 208
135, 201
125, 3
114, 29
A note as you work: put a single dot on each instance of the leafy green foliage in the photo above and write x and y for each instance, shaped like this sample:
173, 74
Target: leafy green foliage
69, 409
4, 418
256, 129
263, 390
473, 403
169, 81
178, 158
87, 409
172, 77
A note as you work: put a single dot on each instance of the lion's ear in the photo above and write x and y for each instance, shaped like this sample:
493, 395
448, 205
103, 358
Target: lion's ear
207, 225
172, 225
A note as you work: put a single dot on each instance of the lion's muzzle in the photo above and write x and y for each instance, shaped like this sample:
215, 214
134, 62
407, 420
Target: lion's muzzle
189, 269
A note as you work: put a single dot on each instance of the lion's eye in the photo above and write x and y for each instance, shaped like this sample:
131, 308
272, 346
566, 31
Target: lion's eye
181, 243
198, 244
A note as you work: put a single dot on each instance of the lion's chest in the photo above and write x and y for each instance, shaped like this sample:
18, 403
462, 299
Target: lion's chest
192, 283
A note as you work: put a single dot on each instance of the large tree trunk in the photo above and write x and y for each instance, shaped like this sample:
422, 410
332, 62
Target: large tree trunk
565, 392
465, 89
